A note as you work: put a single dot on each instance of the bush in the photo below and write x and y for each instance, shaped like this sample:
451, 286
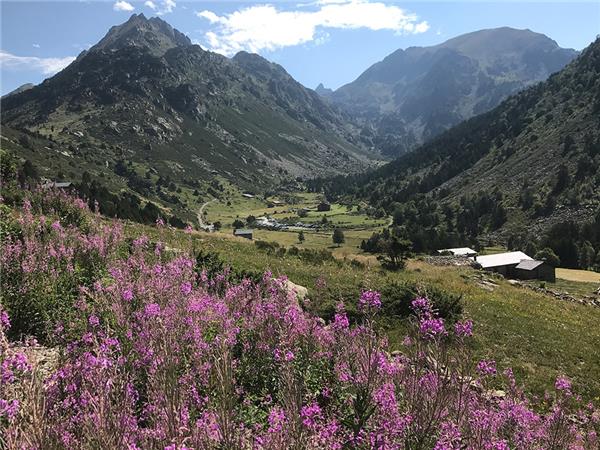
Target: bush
267, 246
316, 257
397, 298
48, 260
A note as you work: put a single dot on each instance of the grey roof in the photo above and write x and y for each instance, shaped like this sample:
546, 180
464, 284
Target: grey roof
57, 184
461, 251
242, 231
529, 264
502, 259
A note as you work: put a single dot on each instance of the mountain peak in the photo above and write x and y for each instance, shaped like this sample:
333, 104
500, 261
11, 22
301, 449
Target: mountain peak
323, 91
154, 34
502, 40
257, 65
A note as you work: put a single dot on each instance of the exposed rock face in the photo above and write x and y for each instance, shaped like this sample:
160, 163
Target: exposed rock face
415, 94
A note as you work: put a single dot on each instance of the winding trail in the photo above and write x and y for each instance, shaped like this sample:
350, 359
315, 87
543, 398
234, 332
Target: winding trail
199, 215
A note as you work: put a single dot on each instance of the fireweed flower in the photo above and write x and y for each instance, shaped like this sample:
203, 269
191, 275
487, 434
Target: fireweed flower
562, 384
152, 310
464, 329
421, 305
9, 408
4, 320
432, 327
276, 419
186, 288
486, 367
93, 321
310, 414
369, 300
127, 295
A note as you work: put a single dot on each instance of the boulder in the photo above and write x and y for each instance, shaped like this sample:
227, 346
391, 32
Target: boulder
300, 291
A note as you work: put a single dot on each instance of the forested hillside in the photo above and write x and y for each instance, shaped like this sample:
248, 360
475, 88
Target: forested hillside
525, 169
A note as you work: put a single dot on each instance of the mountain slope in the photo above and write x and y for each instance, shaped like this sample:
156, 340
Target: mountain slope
145, 93
415, 94
537, 154
21, 88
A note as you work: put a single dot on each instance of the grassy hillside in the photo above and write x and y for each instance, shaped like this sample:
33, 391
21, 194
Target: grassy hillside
135, 330
537, 335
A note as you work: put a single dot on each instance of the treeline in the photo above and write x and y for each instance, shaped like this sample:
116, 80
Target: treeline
576, 245
430, 225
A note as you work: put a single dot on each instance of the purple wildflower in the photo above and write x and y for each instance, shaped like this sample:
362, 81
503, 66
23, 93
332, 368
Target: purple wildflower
93, 321
432, 327
562, 383
310, 414
152, 309
127, 295
486, 367
4, 320
464, 329
370, 300
186, 288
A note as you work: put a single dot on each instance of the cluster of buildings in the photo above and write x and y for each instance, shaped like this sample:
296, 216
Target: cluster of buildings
515, 265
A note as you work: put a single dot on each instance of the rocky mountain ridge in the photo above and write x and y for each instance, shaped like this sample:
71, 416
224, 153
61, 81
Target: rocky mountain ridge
146, 92
415, 94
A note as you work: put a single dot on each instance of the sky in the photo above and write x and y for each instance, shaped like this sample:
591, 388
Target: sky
316, 41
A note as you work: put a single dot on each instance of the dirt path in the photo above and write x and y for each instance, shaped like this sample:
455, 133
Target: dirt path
200, 215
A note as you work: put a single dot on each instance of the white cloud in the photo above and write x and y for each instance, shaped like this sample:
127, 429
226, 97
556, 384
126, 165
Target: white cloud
36, 45
163, 7
47, 66
168, 6
122, 5
264, 27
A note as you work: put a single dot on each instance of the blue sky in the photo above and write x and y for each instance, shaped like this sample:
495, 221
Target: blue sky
329, 41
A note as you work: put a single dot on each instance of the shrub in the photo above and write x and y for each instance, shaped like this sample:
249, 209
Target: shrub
315, 256
267, 246
47, 262
397, 299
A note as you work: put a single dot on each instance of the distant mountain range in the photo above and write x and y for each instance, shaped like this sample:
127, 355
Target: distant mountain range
146, 93
415, 94
147, 114
537, 153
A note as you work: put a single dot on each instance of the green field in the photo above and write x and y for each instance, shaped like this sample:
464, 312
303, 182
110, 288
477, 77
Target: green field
585, 276
537, 335
356, 225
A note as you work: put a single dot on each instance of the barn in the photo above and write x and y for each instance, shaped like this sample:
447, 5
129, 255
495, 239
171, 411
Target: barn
502, 263
516, 265
534, 270
244, 233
